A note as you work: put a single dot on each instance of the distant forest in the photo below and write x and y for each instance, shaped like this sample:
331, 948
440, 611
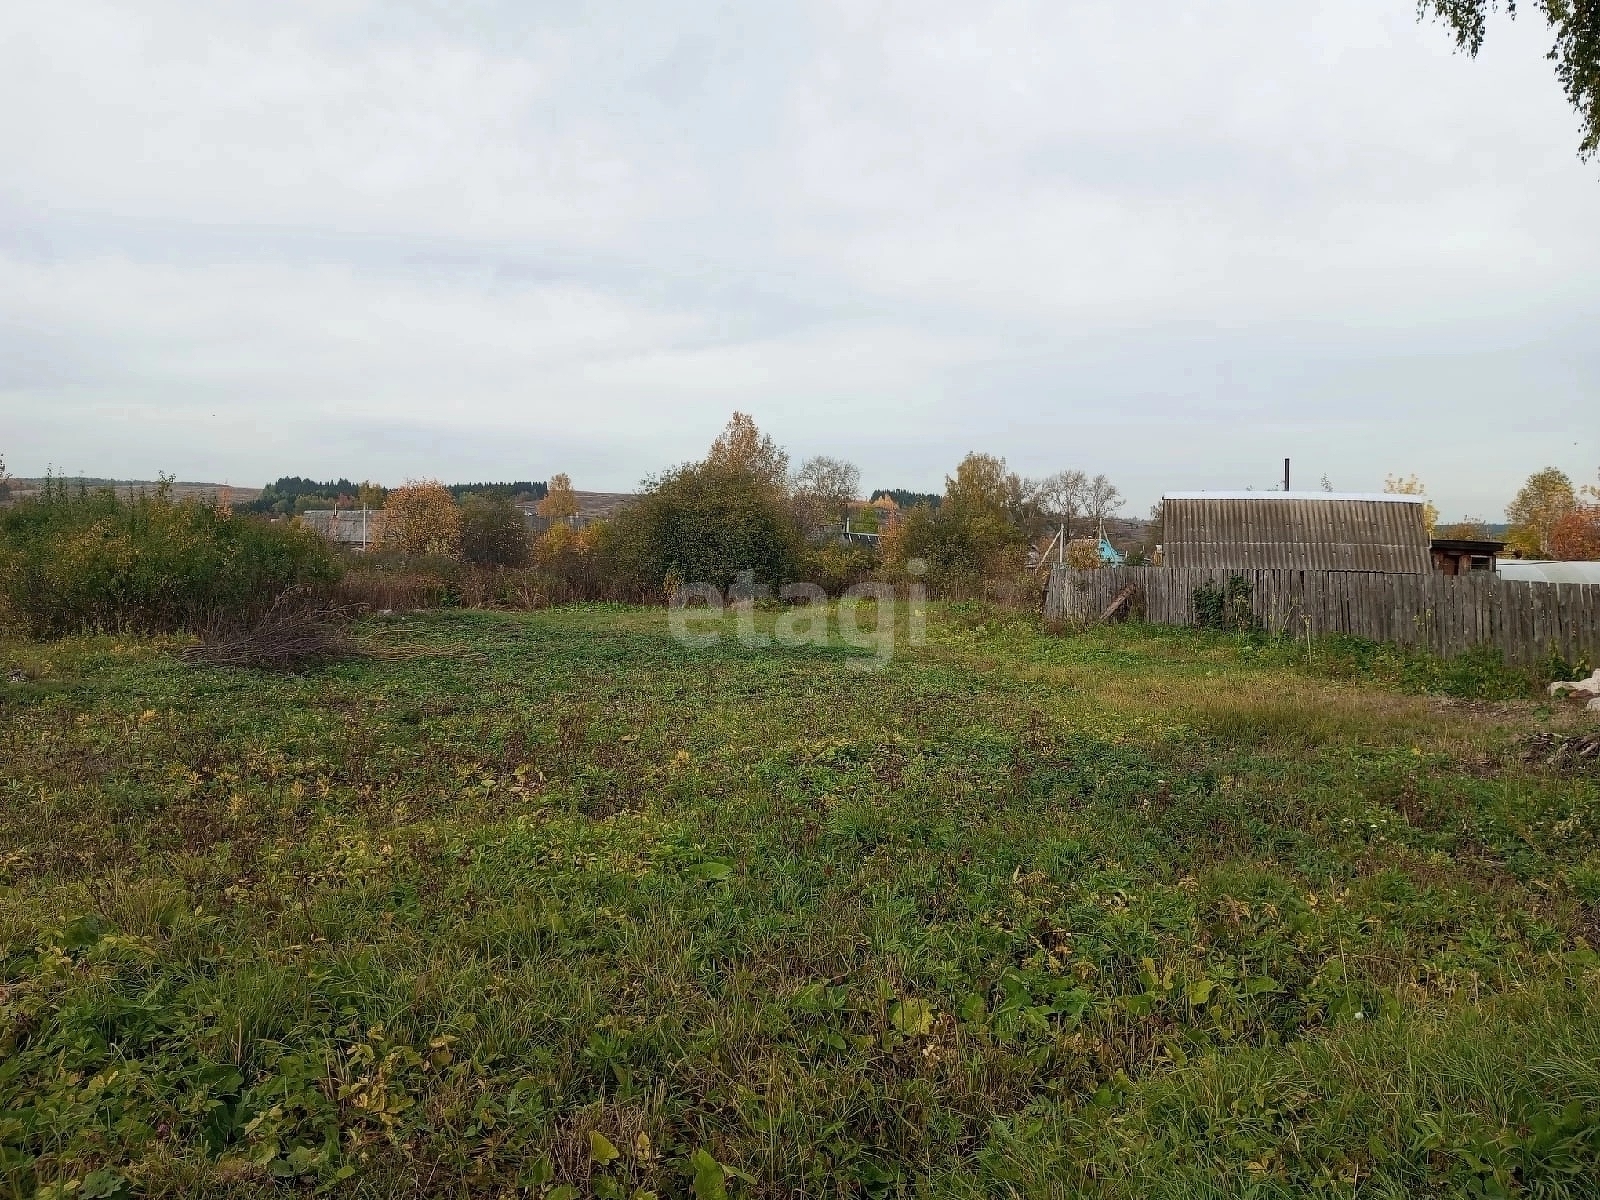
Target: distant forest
286, 495
521, 490
906, 499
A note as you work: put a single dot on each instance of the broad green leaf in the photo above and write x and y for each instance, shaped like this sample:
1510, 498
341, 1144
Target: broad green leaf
540, 1172
1141, 1005
709, 1181
912, 1017
600, 1147
102, 1185
224, 1081
302, 1159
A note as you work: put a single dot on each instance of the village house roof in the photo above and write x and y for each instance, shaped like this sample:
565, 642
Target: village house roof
1306, 531
347, 526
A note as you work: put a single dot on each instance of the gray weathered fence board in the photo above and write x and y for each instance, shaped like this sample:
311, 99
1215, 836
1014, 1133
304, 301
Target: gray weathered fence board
1447, 614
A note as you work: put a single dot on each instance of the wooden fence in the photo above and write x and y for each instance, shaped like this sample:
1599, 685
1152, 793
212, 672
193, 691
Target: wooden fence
1444, 613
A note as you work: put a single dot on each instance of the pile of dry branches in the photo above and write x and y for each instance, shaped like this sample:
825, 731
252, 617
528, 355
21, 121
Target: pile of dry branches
1564, 753
301, 629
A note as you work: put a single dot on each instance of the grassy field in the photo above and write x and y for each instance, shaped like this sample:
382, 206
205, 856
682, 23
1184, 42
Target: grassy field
550, 905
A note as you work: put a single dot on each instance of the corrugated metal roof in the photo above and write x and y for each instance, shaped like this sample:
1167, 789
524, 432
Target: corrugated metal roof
1549, 572
1375, 497
1295, 531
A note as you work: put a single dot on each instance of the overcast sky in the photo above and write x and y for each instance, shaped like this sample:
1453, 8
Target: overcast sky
1167, 241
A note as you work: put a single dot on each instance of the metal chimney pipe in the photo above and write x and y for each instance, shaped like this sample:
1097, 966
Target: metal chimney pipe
1286, 474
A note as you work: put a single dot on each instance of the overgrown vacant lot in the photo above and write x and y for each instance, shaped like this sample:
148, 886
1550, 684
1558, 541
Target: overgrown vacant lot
520, 904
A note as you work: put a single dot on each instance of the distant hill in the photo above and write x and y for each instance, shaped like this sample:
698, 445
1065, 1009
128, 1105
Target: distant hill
1126, 532
181, 490
592, 506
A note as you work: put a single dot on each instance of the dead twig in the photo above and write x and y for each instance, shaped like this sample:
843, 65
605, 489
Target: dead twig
299, 630
1580, 751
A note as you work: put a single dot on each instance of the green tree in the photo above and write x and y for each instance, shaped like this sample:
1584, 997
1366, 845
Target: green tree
493, 532
1543, 501
705, 523
708, 521
1576, 51
294, 494
979, 532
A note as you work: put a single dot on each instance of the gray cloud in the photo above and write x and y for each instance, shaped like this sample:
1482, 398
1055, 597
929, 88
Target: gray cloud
390, 240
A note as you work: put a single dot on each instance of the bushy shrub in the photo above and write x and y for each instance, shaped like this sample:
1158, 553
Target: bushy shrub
836, 566
573, 565
79, 560
391, 587
705, 523
568, 566
493, 532
962, 545
1083, 554
977, 534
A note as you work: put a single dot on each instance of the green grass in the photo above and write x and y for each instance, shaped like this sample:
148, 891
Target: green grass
548, 904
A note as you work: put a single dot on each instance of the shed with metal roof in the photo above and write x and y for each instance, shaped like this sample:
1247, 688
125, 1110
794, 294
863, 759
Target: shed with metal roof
346, 526
1296, 531
1538, 571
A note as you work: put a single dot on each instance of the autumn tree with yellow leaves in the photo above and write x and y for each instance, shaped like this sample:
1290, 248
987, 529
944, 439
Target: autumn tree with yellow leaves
1410, 485
560, 502
1547, 497
421, 517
